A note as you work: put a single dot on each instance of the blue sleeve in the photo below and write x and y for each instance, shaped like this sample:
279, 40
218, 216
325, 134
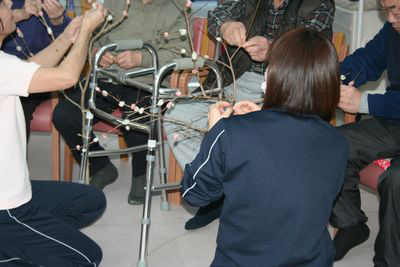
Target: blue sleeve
386, 105
367, 63
202, 180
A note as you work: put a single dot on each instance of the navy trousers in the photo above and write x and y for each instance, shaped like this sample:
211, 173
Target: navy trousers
44, 231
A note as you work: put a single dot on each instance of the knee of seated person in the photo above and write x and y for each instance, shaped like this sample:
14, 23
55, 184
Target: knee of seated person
62, 113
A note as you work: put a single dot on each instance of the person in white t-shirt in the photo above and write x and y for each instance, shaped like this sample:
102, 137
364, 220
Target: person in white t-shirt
39, 220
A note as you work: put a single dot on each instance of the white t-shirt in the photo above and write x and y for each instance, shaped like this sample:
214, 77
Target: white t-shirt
15, 186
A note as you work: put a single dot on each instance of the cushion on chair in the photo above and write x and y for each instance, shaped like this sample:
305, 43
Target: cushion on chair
105, 127
42, 117
369, 176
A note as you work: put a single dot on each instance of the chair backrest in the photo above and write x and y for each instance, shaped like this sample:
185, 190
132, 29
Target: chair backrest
342, 49
202, 45
77, 7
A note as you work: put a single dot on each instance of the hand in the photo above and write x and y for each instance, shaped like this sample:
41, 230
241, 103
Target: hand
32, 8
54, 10
350, 98
244, 107
71, 31
257, 47
93, 18
129, 59
106, 60
218, 111
234, 33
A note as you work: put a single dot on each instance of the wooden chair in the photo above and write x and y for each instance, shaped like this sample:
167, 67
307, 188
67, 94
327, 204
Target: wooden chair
82, 6
102, 127
42, 122
42, 117
370, 174
203, 45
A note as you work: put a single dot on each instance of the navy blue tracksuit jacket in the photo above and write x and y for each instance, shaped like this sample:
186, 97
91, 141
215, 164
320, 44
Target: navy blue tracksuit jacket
280, 175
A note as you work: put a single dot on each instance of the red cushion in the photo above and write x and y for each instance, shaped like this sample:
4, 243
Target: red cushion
42, 117
105, 127
369, 176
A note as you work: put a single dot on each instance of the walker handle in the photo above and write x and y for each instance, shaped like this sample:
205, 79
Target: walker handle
128, 45
188, 63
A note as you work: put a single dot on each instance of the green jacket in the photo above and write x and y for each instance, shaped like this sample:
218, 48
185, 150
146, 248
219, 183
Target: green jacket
148, 23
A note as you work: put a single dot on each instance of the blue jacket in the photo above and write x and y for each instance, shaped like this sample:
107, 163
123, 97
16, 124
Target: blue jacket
280, 175
368, 63
35, 34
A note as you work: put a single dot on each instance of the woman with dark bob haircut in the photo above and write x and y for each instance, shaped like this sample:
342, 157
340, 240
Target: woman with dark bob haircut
280, 168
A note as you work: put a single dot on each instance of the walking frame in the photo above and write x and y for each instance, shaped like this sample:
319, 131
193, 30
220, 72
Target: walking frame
153, 129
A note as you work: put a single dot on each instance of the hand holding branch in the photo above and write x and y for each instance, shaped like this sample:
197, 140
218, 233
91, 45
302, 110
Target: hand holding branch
218, 111
350, 98
244, 107
129, 59
257, 47
234, 33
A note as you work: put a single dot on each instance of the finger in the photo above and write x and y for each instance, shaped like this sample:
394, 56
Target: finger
251, 42
107, 60
120, 61
227, 112
242, 31
252, 49
243, 102
351, 83
121, 55
104, 64
237, 37
223, 103
46, 8
210, 108
54, 3
50, 4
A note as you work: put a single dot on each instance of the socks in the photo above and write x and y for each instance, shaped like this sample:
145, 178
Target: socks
205, 215
137, 194
104, 177
348, 238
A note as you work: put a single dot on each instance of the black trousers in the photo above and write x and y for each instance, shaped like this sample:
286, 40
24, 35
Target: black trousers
44, 231
29, 105
370, 140
67, 118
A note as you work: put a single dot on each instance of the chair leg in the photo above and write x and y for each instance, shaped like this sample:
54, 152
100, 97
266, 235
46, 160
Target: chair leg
55, 152
175, 174
122, 145
68, 164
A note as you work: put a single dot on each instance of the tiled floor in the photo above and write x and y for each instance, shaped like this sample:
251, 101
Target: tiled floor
118, 231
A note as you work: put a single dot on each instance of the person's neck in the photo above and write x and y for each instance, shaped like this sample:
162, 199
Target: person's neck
278, 3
